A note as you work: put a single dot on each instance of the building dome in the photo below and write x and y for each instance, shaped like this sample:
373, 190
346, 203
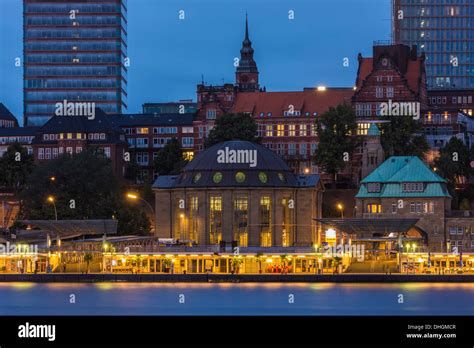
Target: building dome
237, 163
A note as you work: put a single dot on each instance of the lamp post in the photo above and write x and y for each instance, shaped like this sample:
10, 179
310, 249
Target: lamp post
341, 208
135, 197
51, 200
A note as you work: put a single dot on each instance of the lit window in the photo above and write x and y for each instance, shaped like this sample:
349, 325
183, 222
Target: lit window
291, 130
374, 208
280, 130
263, 177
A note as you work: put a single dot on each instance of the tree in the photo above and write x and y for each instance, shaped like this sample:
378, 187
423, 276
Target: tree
336, 130
15, 166
233, 127
453, 162
85, 187
402, 136
87, 259
170, 160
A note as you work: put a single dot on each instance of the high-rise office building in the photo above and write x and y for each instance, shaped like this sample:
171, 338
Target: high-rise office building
444, 30
74, 51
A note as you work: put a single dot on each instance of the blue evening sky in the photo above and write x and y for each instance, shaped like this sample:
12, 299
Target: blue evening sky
169, 55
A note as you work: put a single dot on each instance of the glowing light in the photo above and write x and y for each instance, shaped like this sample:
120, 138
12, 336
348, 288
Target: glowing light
321, 88
50, 198
181, 216
269, 260
132, 196
306, 170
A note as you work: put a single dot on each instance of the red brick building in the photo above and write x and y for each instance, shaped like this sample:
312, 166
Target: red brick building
72, 134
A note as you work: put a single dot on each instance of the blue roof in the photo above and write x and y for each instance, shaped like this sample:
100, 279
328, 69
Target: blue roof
403, 169
373, 130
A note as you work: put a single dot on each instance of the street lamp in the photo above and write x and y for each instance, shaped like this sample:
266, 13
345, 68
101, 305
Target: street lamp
135, 197
51, 200
341, 208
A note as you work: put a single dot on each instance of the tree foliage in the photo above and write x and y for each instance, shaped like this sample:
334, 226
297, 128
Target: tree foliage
170, 160
15, 166
84, 187
336, 130
233, 127
402, 136
453, 162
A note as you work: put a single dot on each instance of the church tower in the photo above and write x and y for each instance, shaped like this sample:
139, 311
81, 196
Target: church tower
246, 75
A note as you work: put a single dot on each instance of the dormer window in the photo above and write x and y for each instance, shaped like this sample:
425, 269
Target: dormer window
262, 114
269, 114
413, 187
373, 187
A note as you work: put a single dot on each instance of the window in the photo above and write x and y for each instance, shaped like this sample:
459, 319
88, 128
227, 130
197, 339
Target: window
291, 130
314, 147
292, 149
188, 142
389, 92
193, 219
217, 177
265, 222
211, 114
78, 149
142, 158
69, 136
418, 207
69, 150
160, 142
413, 187
460, 230
40, 153
165, 130
241, 221
303, 149
55, 152
373, 187
453, 230
143, 130
240, 177
79, 135
47, 153
142, 142
379, 92
215, 219
394, 208
107, 151
197, 177
431, 207
374, 208
96, 136
303, 130
102, 136
263, 177
269, 130
188, 130
280, 130
45, 136
363, 128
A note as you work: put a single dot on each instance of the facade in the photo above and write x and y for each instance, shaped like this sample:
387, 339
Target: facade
22, 135
73, 51
72, 134
395, 73
286, 120
146, 134
443, 30
242, 192
406, 188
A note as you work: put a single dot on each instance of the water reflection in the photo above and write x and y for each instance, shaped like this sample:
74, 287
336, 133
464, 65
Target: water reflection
237, 299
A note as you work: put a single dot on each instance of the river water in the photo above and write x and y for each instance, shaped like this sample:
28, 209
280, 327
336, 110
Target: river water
236, 299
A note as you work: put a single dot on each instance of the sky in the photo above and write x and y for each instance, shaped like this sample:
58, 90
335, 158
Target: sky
169, 55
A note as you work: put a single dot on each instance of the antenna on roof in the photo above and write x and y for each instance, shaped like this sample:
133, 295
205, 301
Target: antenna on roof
202, 79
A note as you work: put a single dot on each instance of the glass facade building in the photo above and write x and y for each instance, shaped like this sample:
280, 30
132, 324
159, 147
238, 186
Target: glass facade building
444, 30
74, 51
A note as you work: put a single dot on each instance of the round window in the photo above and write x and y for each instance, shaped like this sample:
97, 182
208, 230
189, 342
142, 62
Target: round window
197, 177
217, 177
281, 177
240, 177
263, 177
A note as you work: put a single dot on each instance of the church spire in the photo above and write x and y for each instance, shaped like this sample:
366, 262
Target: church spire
247, 72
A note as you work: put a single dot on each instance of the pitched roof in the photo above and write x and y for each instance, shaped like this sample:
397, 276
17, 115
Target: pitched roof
18, 131
402, 169
373, 130
413, 74
309, 100
5, 114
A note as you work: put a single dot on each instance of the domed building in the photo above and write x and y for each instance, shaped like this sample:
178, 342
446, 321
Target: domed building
238, 191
